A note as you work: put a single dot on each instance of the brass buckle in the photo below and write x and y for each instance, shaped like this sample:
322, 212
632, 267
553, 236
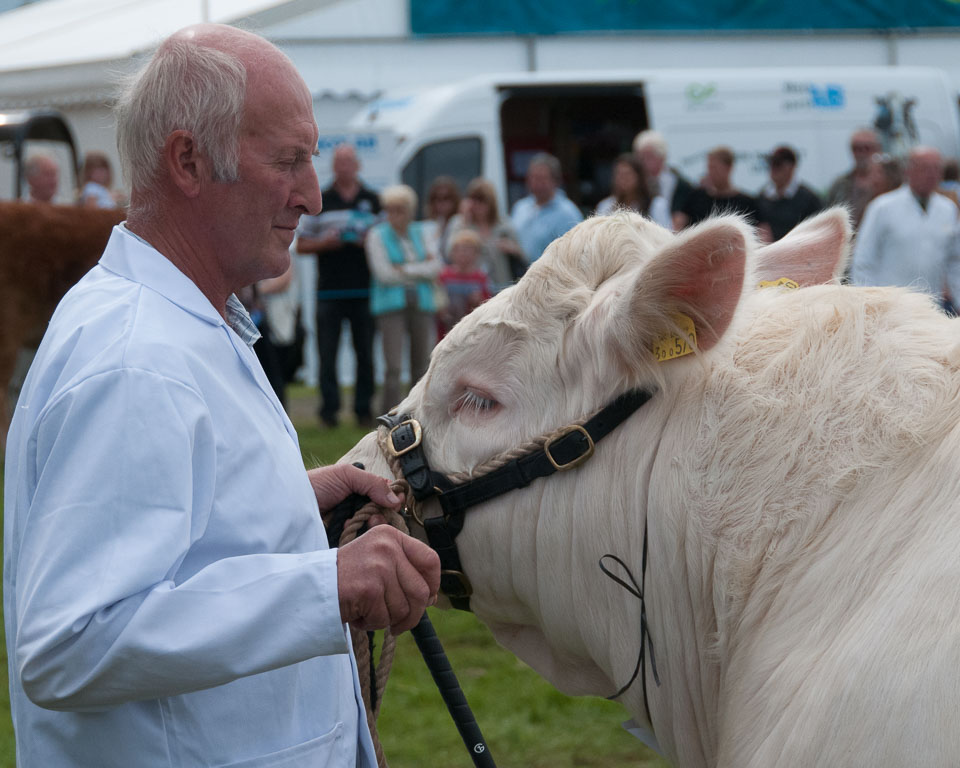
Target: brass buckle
575, 462
412, 509
417, 437
465, 585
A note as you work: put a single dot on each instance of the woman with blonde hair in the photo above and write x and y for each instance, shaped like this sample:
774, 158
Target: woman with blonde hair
501, 254
403, 267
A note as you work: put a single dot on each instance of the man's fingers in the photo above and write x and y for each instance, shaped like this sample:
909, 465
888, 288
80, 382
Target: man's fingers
333, 484
426, 561
416, 595
386, 578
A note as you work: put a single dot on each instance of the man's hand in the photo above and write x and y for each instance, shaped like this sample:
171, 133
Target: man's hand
386, 579
333, 484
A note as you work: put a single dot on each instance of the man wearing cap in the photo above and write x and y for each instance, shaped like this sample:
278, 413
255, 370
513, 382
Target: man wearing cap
784, 202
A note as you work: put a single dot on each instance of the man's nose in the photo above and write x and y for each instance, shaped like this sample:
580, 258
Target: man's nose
306, 194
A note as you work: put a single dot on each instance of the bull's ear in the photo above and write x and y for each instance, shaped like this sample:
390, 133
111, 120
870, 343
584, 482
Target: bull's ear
700, 275
812, 253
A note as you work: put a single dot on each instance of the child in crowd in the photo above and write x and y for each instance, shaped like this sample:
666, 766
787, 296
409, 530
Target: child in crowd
97, 176
467, 285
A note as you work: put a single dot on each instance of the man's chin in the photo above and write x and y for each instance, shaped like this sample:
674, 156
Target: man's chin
277, 263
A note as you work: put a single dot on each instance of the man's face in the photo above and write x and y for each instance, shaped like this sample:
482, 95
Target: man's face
863, 146
345, 165
718, 171
540, 183
254, 218
781, 173
652, 162
44, 180
924, 172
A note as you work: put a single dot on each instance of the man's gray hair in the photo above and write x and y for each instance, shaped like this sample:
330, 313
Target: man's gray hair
651, 140
550, 163
187, 87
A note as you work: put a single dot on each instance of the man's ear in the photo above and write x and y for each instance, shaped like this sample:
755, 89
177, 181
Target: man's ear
184, 164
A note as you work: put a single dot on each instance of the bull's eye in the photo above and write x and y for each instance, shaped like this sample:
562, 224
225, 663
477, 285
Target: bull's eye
472, 402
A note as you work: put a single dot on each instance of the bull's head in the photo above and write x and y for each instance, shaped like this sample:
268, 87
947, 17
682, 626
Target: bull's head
578, 330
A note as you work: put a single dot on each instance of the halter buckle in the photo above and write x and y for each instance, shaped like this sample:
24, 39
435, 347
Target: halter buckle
417, 437
578, 460
465, 587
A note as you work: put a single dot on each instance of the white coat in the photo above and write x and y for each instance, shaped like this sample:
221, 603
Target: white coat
169, 597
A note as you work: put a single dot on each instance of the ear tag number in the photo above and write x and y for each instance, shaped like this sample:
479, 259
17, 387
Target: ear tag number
786, 282
673, 346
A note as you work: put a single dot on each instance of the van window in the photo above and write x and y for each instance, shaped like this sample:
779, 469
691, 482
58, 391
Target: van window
460, 158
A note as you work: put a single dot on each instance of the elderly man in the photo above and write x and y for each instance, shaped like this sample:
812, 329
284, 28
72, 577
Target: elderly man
909, 236
856, 188
43, 177
546, 213
651, 149
169, 596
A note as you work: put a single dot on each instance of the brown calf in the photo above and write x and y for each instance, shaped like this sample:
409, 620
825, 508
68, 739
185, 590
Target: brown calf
44, 249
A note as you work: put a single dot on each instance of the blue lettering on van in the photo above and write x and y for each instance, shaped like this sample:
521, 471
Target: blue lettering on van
827, 97
329, 142
364, 142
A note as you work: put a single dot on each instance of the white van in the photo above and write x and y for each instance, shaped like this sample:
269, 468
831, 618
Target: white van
491, 125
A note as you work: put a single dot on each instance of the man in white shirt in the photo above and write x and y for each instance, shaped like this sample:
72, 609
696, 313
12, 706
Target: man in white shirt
169, 597
908, 236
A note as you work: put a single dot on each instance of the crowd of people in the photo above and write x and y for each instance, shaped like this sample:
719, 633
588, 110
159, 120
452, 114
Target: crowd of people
408, 282
413, 280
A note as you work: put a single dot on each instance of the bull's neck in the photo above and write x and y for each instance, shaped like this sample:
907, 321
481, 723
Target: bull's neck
680, 604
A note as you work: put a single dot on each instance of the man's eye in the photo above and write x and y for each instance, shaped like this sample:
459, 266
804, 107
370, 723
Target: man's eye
474, 402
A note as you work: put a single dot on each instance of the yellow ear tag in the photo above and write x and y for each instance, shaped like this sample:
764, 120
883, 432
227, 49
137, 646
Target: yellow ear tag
786, 282
671, 346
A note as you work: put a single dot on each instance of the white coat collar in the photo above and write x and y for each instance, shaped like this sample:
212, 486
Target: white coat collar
132, 257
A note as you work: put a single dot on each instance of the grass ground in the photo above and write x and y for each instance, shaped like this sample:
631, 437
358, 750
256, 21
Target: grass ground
524, 720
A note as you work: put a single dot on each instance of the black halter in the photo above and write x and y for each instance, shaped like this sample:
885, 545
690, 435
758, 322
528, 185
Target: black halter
570, 448
573, 446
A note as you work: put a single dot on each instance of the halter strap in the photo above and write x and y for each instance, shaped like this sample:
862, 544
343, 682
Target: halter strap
567, 449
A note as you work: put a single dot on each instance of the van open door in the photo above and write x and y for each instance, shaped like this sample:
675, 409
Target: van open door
586, 125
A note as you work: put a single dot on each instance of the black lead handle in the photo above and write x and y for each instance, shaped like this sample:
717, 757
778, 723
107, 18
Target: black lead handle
443, 675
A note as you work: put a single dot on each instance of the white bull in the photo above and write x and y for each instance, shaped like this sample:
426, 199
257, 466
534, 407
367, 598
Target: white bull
799, 474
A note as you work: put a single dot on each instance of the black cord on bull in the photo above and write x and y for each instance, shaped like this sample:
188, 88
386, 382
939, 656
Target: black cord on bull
345, 522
